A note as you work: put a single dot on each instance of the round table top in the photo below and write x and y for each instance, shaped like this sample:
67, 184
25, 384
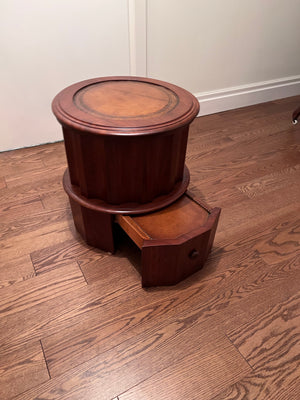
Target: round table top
124, 106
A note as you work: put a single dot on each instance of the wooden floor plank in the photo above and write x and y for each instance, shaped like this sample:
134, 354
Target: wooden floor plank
14, 211
260, 387
31, 177
284, 243
57, 199
227, 332
21, 369
198, 376
32, 233
271, 345
254, 229
273, 338
278, 242
252, 151
59, 255
243, 166
29, 154
140, 358
48, 315
55, 155
229, 135
10, 164
15, 270
45, 185
30, 293
2, 182
270, 286
79, 342
30, 242
244, 117
271, 182
232, 200
26, 224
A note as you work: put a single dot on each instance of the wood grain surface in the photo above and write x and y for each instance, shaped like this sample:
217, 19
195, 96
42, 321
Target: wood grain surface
178, 219
111, 105
75, 322
125, 99
125, 141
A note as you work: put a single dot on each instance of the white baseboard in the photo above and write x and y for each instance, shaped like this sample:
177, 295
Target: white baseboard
246, 95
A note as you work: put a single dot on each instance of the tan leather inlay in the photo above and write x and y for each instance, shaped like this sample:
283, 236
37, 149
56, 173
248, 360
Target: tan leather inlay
125, 99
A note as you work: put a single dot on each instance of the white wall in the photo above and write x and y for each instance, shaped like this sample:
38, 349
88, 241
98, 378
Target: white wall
229, 53
46, 46
235, 52
221, 44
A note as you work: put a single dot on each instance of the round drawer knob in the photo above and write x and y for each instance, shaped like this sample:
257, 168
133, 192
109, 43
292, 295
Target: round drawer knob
194, 254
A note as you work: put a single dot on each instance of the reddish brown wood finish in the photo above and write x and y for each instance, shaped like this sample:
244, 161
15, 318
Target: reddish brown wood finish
98, 205
170, 107
126, 138
175, 241
96, 228
126, 169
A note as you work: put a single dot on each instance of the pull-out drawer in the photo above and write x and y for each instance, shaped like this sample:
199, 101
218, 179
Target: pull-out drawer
174, 241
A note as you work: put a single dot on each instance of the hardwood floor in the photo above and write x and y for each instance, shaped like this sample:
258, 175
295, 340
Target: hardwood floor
75, 322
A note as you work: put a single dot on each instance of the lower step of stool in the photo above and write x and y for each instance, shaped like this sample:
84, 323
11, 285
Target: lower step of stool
175, 241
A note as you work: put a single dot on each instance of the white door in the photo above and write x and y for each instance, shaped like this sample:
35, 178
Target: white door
46, 46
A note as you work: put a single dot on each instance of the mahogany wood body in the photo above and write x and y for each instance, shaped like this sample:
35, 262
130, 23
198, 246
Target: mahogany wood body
120, 170
126, 139
175, 242
96, 228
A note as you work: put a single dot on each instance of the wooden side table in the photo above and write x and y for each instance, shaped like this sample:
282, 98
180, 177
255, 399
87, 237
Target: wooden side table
125, 140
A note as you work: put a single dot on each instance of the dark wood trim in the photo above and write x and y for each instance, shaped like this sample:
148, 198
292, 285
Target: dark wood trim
127, 209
